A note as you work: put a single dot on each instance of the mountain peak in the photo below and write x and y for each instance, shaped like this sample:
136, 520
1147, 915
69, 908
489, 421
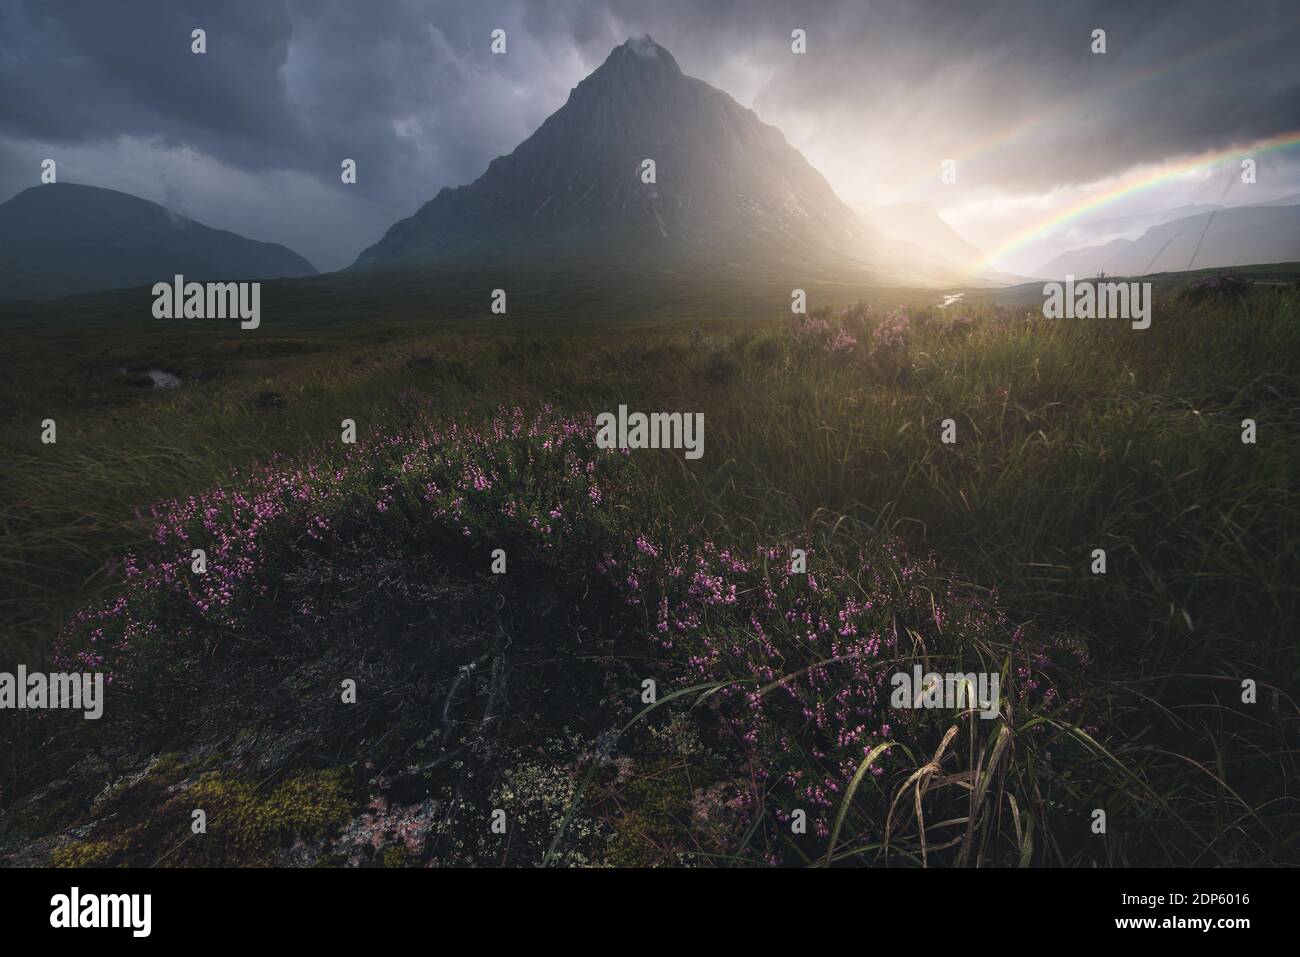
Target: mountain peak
643, 45
641, 164
641, 54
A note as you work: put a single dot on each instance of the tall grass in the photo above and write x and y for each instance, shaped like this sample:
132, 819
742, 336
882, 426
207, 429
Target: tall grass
1070, 436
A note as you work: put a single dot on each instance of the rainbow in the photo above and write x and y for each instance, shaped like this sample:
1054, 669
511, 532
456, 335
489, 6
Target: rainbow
1164, 174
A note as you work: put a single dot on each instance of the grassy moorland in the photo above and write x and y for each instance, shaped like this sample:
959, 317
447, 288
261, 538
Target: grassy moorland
1122, 692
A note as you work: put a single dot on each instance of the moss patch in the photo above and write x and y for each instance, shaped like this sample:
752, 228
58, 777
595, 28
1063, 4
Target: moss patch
150, 822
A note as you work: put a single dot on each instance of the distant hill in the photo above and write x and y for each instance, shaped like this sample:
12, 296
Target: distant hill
1232, 236
1131, 222
61, 238
921, 225
732, 199
1292, 200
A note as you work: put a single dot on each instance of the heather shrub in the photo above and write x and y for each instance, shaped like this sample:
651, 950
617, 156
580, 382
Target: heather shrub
876, 343
798, 665
372, 564
528, 487
1224, 285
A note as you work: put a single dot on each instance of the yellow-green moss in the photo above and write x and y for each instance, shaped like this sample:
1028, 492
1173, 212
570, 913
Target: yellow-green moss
307, 803
83, 854
168, 763
395, 856
150, 822
655, 824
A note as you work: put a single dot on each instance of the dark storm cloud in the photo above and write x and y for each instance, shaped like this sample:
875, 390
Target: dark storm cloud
410, 91
372, 81
82, 71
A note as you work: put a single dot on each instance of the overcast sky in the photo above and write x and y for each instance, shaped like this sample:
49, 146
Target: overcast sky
249, 136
